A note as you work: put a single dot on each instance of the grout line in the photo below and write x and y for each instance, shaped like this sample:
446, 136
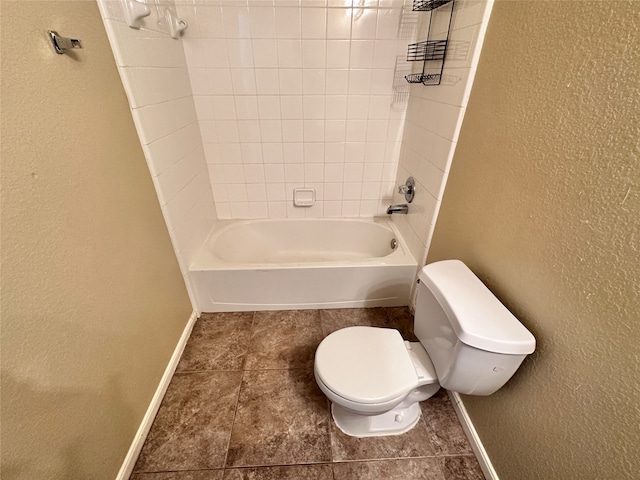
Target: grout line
235, 411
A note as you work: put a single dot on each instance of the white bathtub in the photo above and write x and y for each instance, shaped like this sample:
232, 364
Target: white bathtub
302, 263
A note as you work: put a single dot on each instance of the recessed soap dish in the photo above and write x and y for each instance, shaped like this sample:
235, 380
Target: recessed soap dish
304, 197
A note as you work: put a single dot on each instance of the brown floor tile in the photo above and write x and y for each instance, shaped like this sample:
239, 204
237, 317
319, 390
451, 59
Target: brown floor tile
282, 427
186, 475
192, 427
285, 339
291, 472
401, 318
219, 341
282, 418
414, 443
336, 319
461, 468
443, 425
404, 469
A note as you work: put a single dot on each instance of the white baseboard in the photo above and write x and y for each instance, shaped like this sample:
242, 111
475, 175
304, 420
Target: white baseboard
474, 439
147, 421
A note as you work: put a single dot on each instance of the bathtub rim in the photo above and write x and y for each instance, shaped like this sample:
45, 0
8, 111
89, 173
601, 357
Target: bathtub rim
205, 260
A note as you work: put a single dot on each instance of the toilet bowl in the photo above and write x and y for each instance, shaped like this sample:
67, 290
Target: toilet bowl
374, 380
469, 343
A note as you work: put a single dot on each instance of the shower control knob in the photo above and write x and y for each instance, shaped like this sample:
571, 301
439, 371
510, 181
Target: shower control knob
408, 189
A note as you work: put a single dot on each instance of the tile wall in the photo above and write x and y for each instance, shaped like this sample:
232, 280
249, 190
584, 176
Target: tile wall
292, 94
154, 72
434, 119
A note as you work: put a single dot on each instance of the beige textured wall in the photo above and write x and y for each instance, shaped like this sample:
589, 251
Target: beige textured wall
93, 302
543, 202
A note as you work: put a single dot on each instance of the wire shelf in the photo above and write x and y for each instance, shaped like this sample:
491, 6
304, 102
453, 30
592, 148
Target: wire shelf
431, 52
427, 51
424, 78
428, 5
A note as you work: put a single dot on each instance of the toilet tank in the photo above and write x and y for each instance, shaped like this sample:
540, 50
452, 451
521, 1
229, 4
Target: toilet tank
474, 342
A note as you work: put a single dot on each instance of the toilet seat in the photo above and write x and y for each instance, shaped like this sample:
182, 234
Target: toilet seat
366, 365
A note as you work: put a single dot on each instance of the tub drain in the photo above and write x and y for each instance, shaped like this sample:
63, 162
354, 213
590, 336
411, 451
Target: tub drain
393, 244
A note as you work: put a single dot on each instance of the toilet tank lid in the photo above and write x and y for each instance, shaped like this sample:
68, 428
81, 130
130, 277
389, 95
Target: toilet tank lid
478, 318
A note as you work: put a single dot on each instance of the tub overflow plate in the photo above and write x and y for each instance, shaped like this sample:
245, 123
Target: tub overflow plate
393, 244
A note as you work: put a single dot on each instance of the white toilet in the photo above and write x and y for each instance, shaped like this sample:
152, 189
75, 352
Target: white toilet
469, 343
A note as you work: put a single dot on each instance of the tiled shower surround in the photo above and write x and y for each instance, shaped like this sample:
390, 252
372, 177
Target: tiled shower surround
243, 404
258, 97
291, 95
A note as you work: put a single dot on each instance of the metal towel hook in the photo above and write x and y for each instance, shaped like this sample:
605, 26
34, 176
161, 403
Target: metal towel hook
60, 43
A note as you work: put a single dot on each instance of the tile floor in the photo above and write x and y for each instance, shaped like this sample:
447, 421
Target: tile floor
243, 404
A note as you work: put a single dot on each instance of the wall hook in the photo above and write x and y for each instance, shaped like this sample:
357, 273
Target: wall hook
135, 11
176, 25
60, 43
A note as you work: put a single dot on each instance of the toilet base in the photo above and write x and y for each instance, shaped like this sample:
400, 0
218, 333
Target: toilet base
394, 422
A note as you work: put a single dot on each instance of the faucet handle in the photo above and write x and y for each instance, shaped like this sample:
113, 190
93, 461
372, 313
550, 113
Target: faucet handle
408, 189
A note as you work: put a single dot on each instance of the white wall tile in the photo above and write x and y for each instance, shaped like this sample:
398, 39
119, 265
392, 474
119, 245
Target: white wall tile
243, 82
216, 53
289, 53
277, 209
388, 21
167, 150
265, 53
361, 54
249, 131
223, 107
314, 53
257, 192
335, 130
313, 106
359, 81
339, 23
269, 81
334, 152
240, 210
263, 22
294, 173
313, 81
291, 106
333, 172
364, 24
251, 153
314, 22
333, 190
236, 21
338, 53
176, 177
289, 93
313, 130
288, 22
237, 192
314, 152
230, 153
274, 173
292, 131
275, 192
240, 53
269, 107
258, 210
209, 21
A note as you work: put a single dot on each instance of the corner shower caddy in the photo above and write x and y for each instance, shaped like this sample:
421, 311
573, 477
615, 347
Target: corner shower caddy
430, 52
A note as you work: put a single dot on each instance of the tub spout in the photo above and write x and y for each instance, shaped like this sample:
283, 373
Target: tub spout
404, 209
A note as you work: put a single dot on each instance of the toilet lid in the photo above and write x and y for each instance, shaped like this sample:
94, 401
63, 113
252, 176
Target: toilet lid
366, 364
